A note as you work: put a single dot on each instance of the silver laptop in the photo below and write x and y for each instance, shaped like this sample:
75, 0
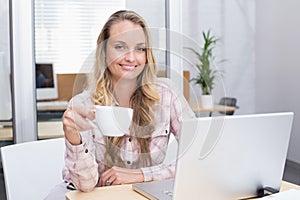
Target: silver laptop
226, 157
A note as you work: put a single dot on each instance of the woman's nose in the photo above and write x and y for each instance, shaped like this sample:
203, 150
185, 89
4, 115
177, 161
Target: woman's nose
130, 56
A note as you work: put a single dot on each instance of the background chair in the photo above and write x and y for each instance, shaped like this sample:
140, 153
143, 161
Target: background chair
228, 101
32, 169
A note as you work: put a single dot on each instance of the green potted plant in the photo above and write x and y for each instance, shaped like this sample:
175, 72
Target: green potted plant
206, 74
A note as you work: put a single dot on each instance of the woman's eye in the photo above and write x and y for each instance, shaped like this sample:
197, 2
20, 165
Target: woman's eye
140, 49
119, 47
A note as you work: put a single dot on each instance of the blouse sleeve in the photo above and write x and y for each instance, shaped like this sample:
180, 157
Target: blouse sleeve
82, 167
80, 163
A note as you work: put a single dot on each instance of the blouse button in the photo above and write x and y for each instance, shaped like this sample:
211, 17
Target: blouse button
86, 151
129, 139
166, 131
128, 162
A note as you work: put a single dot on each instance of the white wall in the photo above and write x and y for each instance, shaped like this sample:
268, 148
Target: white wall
233, 22
278, 62
272, 84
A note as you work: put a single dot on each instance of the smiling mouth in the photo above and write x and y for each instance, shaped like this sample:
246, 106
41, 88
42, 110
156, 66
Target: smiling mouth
128, 67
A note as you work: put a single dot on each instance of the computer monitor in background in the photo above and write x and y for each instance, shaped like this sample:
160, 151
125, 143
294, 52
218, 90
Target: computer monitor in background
46, 83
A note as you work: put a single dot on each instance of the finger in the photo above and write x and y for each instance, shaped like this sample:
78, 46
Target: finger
74, 120
67, 120
107, 182
84, 111
88, 114
110, 175
111, 181
105, 176
114, 180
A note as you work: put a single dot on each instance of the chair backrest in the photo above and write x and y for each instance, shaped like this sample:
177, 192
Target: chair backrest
228, 101
32, 169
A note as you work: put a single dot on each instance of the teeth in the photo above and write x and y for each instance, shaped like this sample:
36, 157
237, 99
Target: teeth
129, 67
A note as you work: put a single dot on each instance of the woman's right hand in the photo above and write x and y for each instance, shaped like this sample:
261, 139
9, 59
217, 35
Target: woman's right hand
75, 119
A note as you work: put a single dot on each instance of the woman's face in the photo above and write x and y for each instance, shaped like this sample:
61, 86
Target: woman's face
126, 51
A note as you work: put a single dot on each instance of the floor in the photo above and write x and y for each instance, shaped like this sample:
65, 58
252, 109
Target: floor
291, 174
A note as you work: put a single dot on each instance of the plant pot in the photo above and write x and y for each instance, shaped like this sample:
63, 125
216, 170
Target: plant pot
206, 101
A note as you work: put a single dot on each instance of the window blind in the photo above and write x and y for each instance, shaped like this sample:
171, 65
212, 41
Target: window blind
66, 31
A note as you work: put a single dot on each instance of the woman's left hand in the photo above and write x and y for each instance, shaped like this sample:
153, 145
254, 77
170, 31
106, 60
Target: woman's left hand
118, 175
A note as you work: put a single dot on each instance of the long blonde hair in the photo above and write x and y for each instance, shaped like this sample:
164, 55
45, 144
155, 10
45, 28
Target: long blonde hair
144, 97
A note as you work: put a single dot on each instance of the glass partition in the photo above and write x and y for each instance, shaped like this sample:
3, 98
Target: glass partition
6, 130
6, 134
65, 34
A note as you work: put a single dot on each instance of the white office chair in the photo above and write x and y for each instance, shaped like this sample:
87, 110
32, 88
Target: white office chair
32, 169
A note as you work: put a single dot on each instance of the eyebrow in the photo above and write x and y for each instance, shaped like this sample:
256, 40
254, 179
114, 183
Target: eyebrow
142, 43
119, 41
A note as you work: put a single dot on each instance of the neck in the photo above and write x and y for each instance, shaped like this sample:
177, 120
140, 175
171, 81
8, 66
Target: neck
123, 91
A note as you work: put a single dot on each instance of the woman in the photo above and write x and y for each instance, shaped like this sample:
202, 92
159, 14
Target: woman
124, 75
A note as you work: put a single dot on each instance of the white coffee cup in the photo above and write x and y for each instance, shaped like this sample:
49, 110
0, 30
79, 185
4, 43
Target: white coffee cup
113, 120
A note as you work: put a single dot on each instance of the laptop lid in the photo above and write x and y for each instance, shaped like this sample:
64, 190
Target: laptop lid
230, 157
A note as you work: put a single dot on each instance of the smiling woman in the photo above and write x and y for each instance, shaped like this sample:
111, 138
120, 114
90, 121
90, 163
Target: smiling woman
124, 75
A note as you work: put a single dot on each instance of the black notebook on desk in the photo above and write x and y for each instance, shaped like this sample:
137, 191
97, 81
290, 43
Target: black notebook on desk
227, 157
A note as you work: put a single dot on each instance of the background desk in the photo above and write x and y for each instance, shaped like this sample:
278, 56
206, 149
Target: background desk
125, 192
6, 134
217, 108
46, 130
50, 128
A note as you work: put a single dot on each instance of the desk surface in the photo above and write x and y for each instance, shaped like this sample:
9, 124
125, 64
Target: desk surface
46, 130
113, 192
217, 108
125, 192
6, 134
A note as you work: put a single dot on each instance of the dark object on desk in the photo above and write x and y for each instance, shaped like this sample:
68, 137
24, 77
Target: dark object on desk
266, 191
49, 115
228, 101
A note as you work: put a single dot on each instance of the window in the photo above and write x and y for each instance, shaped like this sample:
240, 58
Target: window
66, 31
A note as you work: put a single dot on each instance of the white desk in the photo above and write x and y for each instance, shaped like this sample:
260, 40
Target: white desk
125, 192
